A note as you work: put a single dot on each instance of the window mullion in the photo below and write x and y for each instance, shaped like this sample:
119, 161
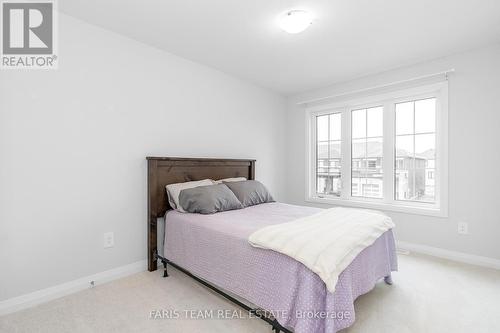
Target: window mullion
365, 168
313, 147
328, 147
388, 152
346, 154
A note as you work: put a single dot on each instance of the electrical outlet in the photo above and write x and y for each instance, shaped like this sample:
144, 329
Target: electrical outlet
463, 228
109, 240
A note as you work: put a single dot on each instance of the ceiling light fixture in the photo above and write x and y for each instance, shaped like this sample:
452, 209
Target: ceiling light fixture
295, 21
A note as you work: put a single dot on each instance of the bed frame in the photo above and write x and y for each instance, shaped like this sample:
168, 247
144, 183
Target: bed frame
169, 170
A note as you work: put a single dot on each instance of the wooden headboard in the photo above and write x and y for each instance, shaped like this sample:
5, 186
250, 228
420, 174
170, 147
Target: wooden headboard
169, 170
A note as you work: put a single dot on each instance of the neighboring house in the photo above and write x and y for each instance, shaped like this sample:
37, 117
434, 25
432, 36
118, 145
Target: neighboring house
414, 177
328, 169
430, 174
366, 174
417, 182
410, 176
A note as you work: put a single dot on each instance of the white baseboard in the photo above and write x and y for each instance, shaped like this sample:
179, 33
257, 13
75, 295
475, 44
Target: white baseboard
41, 296
48, 294
451, 255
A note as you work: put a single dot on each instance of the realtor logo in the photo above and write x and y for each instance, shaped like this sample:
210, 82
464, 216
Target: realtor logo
28, 34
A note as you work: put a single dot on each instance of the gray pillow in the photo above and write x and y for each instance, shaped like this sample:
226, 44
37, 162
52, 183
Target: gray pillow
208, 199
250, 192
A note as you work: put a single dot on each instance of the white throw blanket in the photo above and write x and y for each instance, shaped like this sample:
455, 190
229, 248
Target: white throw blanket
326, 242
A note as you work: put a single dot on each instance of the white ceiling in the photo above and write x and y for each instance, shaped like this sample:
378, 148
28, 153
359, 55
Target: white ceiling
348, 39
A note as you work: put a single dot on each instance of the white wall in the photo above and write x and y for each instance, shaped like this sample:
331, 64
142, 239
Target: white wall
73, 144
474, 152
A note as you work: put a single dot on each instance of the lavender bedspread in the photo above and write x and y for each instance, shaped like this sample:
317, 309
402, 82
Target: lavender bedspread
215, 248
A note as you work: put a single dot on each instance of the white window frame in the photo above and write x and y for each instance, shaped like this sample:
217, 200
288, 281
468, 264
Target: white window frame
388, 101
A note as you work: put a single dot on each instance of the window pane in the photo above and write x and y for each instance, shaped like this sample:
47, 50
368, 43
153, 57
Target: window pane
336, 185
367, 153
374, 172
328, 184
334, 167
359, 123
358, 149
425, 116
374, 148
321, 183
372, 188
322, 128
328, 148
322, 163
357, 182
404, 146
425, 155
322, 170
402, 186
354, 189
366, 183
375, 121
404, 118
430, 185
414, 185
323, 150
335, 150
415, 153
425, 145
335, 126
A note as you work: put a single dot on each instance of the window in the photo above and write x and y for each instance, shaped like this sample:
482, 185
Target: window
416, 146
328, 152
387, 151
366, 148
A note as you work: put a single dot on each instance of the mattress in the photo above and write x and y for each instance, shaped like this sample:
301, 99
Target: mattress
215, 247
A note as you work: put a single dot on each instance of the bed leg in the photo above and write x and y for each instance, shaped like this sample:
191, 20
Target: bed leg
388, 279
276, 326
165, 273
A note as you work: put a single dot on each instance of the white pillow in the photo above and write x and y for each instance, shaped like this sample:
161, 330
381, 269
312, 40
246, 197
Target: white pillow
229, 180
174, 190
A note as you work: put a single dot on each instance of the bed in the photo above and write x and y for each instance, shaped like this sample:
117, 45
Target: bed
214, 250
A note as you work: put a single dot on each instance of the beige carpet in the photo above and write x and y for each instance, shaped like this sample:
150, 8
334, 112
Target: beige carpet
428, 295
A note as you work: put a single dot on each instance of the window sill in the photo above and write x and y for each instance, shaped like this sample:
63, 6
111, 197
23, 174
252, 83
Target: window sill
400, 208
